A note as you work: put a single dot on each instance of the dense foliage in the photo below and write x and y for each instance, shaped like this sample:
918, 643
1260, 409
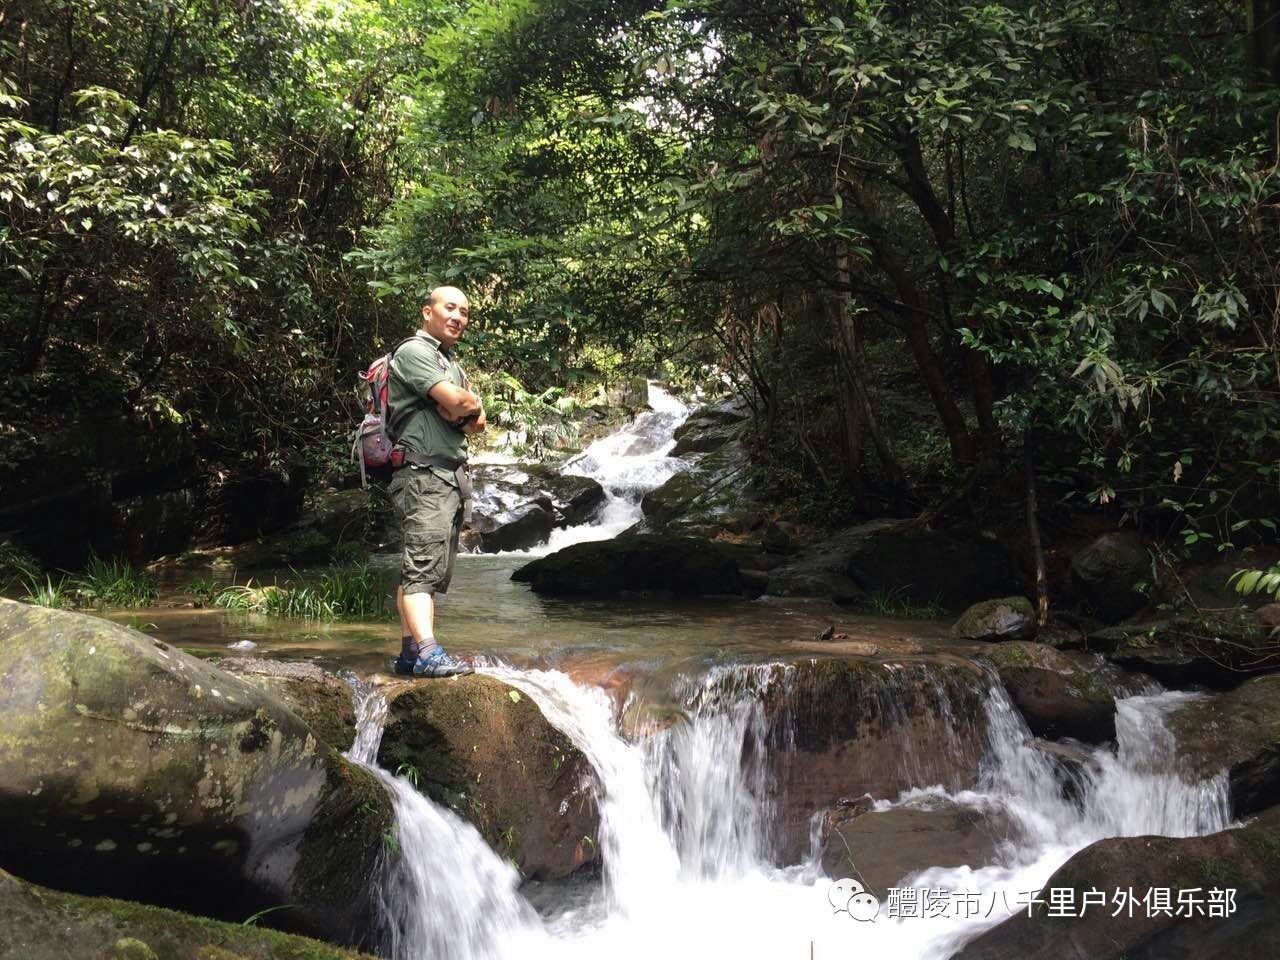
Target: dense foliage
931, 243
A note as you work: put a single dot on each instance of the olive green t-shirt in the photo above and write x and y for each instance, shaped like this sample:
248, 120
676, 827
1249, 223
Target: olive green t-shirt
417, 366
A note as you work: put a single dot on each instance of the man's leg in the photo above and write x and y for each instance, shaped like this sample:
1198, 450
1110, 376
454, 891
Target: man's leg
429, 505
417, 620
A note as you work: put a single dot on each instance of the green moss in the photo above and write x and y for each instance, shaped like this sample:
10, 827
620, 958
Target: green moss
341, 850
49, 925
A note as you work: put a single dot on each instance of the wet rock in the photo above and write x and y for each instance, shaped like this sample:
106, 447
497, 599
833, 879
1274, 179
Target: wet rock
713, 497
484, 749
1062, 694
636, 564
1009, 618
153, 524
41, 924
133, 769
833, 728
519, 528
517, 505
711, 427
1215, 648
1072, 757
319, 698
1243, 859
1108, 575
1238, 732
334, 525
883, 848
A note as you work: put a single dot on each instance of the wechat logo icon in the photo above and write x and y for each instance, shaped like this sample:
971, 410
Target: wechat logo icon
849, 896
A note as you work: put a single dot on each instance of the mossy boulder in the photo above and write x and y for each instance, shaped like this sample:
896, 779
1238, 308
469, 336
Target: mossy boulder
41, 924
1237, 732
132, 769
632, 564
484, 749
1062, 693
711, 427
1246, 860
322, 700
1008, 618
714, 496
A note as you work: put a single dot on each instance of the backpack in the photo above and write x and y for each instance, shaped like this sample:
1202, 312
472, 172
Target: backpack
373, 447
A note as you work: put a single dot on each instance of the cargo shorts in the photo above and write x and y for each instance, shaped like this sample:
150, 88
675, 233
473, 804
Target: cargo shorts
430, 513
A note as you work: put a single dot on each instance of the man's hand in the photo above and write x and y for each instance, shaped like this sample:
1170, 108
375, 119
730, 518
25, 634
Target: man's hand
474, 424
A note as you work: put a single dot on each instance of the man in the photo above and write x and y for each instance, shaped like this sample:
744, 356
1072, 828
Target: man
431, 414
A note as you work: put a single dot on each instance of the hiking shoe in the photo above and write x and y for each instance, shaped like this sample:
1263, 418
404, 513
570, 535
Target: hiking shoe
440, 664
402, 667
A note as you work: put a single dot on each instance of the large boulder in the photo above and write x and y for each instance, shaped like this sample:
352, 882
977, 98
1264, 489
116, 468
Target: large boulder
713, 497
1062, 693
322, 700
41, 924
1237, 732
129, 768
711, 427
1111, 575
1008, 618
636, 564
838, 728
517, 506
484, 749
884, 847
1242, 860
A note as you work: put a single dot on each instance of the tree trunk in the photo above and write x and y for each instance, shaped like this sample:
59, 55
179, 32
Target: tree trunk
1033, 533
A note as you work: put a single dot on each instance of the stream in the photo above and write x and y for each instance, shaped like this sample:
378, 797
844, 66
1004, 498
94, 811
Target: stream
691, 863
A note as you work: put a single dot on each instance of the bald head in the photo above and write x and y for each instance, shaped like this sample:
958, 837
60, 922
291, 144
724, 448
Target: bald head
446, 314
445, 293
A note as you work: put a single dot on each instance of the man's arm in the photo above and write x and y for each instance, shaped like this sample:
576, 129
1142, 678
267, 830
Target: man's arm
454, 402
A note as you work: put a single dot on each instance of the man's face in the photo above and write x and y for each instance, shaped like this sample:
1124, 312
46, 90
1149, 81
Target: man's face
446, 319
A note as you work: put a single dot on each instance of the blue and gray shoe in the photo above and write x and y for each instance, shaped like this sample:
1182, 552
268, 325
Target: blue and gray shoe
402, 667
439, 664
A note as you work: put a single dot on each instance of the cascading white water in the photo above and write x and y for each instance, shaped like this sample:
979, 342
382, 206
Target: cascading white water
685, 836
444, 892
627, 464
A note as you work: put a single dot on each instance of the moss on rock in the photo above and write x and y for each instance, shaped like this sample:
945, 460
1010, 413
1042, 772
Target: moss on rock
43, 924
485, 749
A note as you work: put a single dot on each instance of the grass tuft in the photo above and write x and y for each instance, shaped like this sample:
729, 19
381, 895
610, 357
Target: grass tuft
895, 603
341, 594
114, 583
55, 596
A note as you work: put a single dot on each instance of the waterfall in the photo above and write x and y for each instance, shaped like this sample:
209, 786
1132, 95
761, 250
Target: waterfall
686, 833
627, 464
444, 893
